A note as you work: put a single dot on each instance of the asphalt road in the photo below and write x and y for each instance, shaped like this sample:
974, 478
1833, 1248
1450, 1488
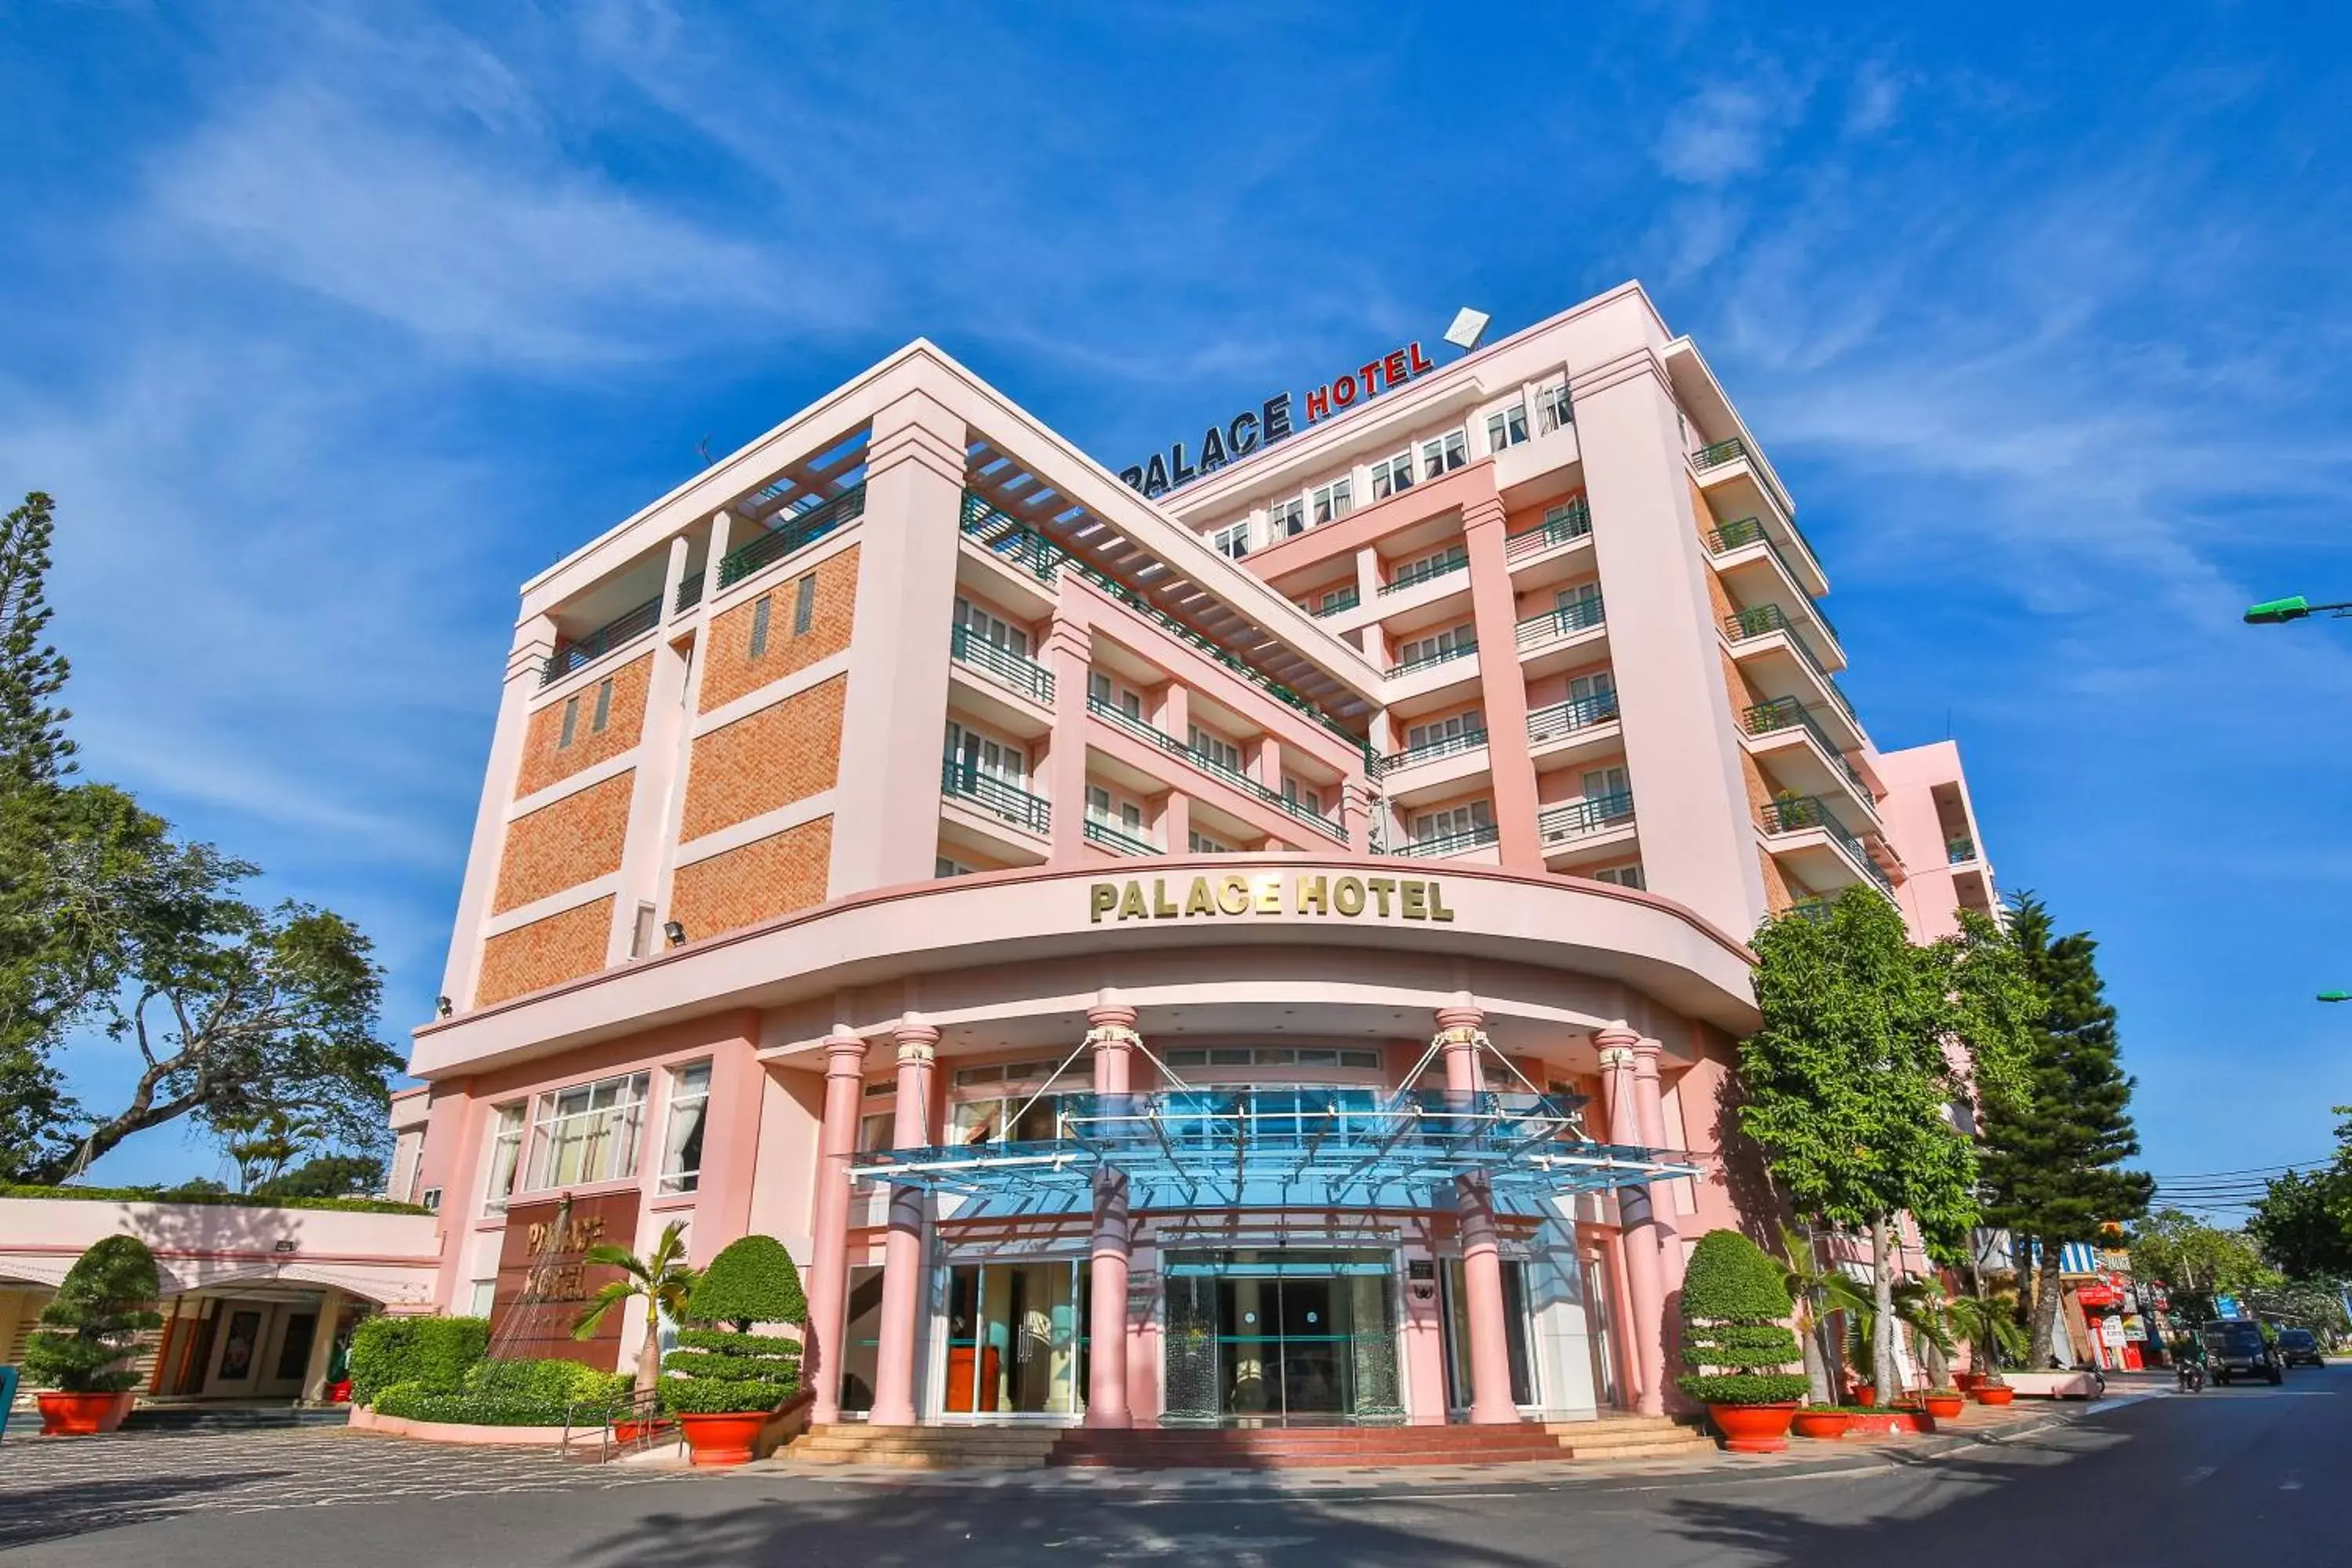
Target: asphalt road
2239, 1476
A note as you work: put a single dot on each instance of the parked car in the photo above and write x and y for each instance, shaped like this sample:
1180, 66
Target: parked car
2238, 1349
2300, 1347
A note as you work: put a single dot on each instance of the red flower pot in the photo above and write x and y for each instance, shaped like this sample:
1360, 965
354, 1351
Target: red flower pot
1753, 1428
1966, 1382
340, 1392
82, 1415
1819, 1423
1994, 1394
1865, 1393
625, 1431
1945, 1407
722, 1439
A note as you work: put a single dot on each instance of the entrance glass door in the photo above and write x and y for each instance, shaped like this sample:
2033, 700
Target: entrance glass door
1277, 1337
1016, 1338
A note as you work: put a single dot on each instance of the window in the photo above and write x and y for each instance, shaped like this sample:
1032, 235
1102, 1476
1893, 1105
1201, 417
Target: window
943, 866
1215, 749
1437, 732
1444, 454
1552, 410
1284, 520
486, 1295
1598, 689
689, 1096
641, 933
1335, 499
978, 623
1623, 876
1335, 599
1439, 644
878, 1131
431, 1200
1201, 844
588, 1133
1303, 795
1579, 598
506, 1150
760, 628
1436, 564
1605, 785
1275, 1056
1232, 543
1392, 475
804, 605
1506, 427
978, 1121
1443, 824
987, 754
1102, 692
570, 722
604, 708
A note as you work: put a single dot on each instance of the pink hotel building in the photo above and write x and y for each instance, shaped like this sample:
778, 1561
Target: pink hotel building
1272, 951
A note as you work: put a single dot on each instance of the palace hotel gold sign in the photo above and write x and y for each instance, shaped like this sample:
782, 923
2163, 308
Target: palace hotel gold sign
1347, 898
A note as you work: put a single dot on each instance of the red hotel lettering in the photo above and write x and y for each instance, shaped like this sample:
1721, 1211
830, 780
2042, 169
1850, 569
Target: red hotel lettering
1419, 364
1368, 374
1343, 391
1319, 404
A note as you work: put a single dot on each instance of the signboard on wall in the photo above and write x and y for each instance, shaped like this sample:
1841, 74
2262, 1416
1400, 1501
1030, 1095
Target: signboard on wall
545, 1278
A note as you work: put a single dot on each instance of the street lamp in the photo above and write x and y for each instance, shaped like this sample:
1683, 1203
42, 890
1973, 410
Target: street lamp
2295, 608
2335, 997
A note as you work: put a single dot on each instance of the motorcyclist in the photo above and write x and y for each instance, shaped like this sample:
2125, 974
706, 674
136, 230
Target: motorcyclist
2188, 1353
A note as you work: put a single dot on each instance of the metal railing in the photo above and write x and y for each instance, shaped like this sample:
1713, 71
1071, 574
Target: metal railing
1762, 620
1583, 818
1143, 729
1788, 713
1459, 650
1959, 850
1803, 812
1453, 843
689, 592
1014, 541
569, 656
1748, 530
1578, 615
1345, 599
1114, 836
1574, 523
1021, 674
796, 529
1566, 718
1429, 751
965, 781
1454, 560
1814, 910
1719, 453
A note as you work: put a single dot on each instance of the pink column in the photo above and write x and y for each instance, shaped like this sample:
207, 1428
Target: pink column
844, 1085
1635, 1230
1110, 1034
1461, 1041
902, 1257
1649, 1110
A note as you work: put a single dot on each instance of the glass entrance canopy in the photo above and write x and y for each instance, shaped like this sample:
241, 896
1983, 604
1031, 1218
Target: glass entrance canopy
1286, 1148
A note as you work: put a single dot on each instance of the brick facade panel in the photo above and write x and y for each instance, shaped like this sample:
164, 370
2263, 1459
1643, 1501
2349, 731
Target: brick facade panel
1776, 893
730, 668
546, 761
562, 845
757, 882
784, 753
544, 952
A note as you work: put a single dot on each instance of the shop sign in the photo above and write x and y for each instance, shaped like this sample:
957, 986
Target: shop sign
1271, 421
1241, 898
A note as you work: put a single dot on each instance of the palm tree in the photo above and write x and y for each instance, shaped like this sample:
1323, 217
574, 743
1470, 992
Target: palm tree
662, 1277
1921, 1306
1817, 1290
1995, 1336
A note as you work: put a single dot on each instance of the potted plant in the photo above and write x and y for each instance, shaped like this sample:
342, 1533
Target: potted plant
664, 1281
87, 1333
1820, 1421
1738, 1344
1818, 1289
1925, 1310
1994, 1336
725, 1384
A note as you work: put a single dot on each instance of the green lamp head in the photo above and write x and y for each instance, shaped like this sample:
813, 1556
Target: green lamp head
2278, 612
2335, 997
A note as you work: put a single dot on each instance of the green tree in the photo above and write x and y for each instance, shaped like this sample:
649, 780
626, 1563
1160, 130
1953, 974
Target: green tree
1817, 1290
327, 1176
2196, 1262
90, 1328
1869, 1046
2304, 1220
2053, 1156
662, 1278
34, 748
753, 1280
1734, 1300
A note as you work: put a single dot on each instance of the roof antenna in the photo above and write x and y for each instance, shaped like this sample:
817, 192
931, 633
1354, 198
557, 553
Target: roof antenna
703, 448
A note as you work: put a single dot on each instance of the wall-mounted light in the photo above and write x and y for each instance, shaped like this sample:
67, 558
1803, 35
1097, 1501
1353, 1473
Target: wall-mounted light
441, 1006
675, 931
289, 1245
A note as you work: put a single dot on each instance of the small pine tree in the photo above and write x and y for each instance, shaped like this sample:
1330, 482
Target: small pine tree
89, 1331
1736, 1306
753, 1280
34, 749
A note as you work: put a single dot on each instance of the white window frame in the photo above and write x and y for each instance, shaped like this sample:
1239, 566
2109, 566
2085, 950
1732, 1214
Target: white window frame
1554, 411
989, 627
1444, 641
1232, 541
1329, 503
505, 1168
1393, 475
1507, 426
1004, 760
685, 1096
1200, 843
1623, 875
1302, 794
1286, 519
1213, 746
1447, 821
1436, 731
1444, 454
608, 1129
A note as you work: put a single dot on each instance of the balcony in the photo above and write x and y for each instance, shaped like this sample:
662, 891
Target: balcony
1429, 751
1430, 660
1007, 669
1232, 778
1729, 466
1792, 816
1959, 851
1345, 599
1577, 825
1565, 731
964, 782
1732, 539
1420, 572
1102, 832
1574, 522
1583, 615
1768, 626
689, 593
1439, 845
569, 656
1787, 717
798, 529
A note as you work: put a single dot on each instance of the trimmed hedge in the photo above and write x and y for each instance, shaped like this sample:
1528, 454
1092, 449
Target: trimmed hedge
495, 1406
553, 1382
211, 1200
717, 1372
1735, 1307
90, 1329
433, 1353
715, 1396
753, 1280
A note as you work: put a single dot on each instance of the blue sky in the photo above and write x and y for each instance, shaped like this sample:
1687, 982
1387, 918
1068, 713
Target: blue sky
327, 327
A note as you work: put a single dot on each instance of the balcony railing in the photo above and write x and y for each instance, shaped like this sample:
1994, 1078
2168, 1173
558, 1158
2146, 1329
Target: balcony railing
795, 531
1749, 530
1420, 572
689, 593
1718, 454
1429, 751
1007, 669
1151, 734
964, 781
1573, 523
1762, 620
1567, 718
1814, 910
1455, 842
1575, 616
1015, 539
1788, 713
1959, 851
1583, 818
1803, 812
1444, 656
569, 656
1345, 599
1114, 837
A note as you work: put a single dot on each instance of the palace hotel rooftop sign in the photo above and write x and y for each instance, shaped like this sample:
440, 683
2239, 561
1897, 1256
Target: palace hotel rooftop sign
1271, 421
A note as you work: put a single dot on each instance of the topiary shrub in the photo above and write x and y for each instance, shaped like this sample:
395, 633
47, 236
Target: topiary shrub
433, 1353
713, 1372
514, 1394
1736, 1339
90, 1328
753, 1280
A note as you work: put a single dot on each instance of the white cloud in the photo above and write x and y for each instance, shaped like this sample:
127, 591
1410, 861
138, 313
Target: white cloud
1874, 100
1729, 129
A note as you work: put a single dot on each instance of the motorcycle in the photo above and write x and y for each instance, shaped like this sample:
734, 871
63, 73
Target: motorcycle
2192, 1377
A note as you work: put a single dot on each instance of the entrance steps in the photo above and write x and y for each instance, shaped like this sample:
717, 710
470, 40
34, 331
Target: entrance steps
924, 1448
1629, 1438
200, 1417
1297, 1448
